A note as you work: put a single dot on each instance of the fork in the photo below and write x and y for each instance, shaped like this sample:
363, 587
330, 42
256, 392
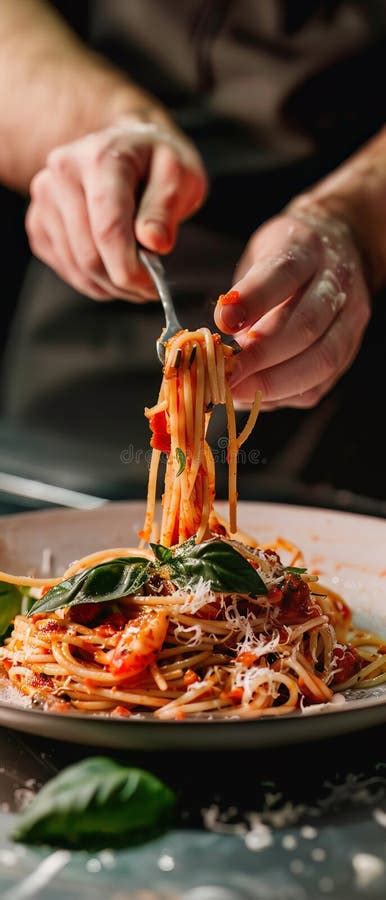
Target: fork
156, 271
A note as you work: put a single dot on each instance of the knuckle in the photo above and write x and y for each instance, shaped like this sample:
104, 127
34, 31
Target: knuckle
91, 291
329, 356
59, 162
91, 261
110, 228
165, 201
254, 353
121, 281
314, 242
287, 265
308, 324
39, 184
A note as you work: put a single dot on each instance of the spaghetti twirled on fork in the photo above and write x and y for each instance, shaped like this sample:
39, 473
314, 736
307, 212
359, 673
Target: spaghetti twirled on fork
196, 366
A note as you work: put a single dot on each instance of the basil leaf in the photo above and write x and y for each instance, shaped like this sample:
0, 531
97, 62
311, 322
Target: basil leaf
10, 606
108, 581
183, 549
97, 802
181, 459
294, 570
163, 554
220, 564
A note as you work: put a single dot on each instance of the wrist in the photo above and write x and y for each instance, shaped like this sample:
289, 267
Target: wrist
117, 98
355, 194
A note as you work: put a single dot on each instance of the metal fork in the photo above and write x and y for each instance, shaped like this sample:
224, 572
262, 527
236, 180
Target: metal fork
156, 271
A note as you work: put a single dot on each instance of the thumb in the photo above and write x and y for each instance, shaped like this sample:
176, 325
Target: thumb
158, 213
175, 189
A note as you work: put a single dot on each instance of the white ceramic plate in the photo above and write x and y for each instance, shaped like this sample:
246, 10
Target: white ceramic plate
349, 551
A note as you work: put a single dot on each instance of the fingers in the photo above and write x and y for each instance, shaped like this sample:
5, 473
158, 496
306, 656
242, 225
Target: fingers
290, 328
49, 241
69, 197
280, 267
109, 184
298, 381
84, 206
172, 193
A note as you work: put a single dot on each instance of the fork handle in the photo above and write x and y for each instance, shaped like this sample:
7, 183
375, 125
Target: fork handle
155, 269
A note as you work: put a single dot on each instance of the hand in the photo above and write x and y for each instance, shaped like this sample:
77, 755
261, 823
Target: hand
302, 310
99, 195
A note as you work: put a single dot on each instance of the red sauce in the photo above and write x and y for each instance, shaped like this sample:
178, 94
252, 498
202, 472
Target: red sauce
121, 711
209, 611
217, 528
114, 622
273, 555
297, 604
348, 663
235, 696
246, 659
84, 613
275, 596
60, 706
190, 677
41, 681
229, 299
160, 439
52, 626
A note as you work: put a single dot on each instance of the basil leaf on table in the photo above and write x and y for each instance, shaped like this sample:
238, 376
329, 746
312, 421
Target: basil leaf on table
10, 606
220, 564
97, 803
106, 582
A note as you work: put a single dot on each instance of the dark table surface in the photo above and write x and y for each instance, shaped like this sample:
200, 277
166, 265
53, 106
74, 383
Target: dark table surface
292, 823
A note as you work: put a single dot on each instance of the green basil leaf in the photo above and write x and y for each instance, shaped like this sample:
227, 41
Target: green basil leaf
220, 564
108, 581
163, 554
294, 570
181, 459
10, 606
97, 802
183, 549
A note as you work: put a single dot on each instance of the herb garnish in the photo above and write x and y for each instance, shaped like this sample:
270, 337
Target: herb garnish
181, 459
214, 561
96, 803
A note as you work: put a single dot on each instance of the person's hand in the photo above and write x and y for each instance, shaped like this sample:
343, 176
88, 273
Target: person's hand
99, 195
299, 312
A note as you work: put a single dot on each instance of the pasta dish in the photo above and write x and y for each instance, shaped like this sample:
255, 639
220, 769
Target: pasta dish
201, 619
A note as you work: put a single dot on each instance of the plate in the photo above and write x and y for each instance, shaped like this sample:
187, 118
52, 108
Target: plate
349, 552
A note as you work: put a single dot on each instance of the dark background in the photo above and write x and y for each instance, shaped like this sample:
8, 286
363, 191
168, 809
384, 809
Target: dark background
340, 444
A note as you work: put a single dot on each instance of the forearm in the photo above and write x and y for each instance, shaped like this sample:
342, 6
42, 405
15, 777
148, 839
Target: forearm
53, 89
356, 192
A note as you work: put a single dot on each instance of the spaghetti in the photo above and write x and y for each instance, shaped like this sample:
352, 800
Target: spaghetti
206, 622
